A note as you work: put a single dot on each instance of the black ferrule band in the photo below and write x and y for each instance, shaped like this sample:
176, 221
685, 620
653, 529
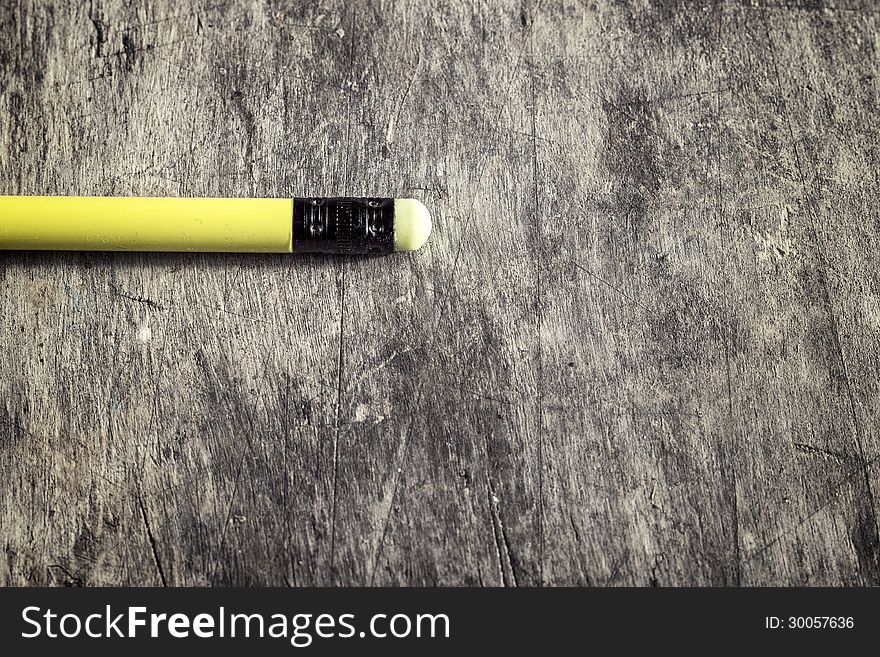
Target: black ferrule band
343, 225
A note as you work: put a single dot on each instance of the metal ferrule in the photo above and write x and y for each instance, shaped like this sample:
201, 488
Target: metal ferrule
343, 225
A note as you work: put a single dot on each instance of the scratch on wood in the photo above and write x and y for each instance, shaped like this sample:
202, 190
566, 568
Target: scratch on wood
810, 449
397, 466
136, 298
389, 132
153, 548
609, 285
830, 499
502, 544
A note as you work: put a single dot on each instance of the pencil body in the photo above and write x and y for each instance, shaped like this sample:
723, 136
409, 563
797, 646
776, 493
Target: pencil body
76, 223
343, 225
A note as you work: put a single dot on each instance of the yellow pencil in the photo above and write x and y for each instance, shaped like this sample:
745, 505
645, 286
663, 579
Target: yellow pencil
341, 225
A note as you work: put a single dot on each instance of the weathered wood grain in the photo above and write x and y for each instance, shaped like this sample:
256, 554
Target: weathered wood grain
640, 348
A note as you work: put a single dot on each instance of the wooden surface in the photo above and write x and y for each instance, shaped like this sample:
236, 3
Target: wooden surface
640, 348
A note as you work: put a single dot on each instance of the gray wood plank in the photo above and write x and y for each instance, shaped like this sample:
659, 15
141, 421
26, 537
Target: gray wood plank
636, 422
640, 347
440, 484
825, 530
